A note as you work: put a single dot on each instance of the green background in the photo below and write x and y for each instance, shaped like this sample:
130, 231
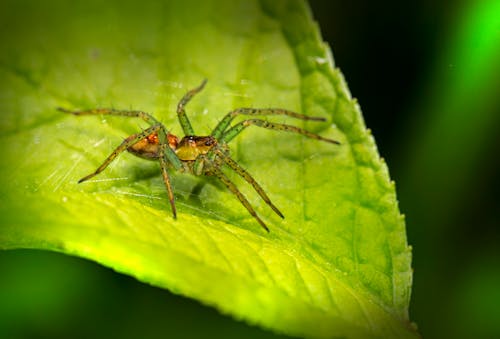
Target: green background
424, 76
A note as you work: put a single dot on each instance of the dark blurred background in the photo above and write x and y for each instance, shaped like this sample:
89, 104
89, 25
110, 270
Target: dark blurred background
426, 75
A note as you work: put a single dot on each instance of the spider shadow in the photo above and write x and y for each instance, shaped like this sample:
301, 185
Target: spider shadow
188, 190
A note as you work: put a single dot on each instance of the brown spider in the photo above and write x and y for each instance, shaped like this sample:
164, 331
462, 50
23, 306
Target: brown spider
198, 155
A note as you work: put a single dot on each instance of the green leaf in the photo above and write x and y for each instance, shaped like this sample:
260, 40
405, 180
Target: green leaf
337, 265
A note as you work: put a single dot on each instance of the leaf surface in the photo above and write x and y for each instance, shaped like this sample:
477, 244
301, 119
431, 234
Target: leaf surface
337, 265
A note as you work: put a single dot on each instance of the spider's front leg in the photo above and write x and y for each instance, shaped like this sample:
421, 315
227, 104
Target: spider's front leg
209, 164
181, 113
232, 187
232, 132
248, 178
229, 117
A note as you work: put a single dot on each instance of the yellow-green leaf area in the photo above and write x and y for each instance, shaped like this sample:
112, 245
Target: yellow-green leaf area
338, 265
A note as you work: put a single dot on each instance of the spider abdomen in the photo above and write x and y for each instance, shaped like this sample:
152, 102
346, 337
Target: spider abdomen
149, 147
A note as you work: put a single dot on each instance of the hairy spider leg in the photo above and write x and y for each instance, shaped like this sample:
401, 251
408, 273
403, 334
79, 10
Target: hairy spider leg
239, 127
110, 111
228, 118
129, 141
181, 113
232, 187
248, 178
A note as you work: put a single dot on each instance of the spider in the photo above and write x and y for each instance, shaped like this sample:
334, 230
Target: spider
198, 155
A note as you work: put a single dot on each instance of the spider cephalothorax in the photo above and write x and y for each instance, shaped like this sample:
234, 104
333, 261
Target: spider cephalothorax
199, 155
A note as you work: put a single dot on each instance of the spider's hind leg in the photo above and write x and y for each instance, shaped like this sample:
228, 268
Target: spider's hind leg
116, 112
129, 141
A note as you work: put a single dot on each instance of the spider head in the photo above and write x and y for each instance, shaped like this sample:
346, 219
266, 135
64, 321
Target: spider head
190, 147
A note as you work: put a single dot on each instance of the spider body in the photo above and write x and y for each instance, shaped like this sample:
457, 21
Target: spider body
187, 149
199, 155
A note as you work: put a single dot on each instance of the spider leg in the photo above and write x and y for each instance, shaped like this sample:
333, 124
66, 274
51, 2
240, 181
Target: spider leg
224, 123
167, 156
232, 187
181, 113
110, 111
245, 175
129, 141
239, 127
166, 178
